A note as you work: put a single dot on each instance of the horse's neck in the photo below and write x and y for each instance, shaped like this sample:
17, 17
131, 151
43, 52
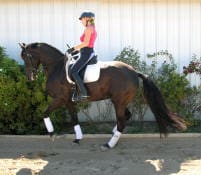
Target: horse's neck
52, 65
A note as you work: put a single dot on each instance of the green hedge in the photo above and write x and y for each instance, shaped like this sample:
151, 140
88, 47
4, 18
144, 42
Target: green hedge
175, 87
23, 103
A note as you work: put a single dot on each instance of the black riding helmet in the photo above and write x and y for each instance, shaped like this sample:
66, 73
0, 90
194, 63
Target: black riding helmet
87, 14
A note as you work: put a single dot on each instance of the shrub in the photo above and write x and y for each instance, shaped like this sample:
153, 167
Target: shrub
193, 67
23, 103
193, 101
174, 86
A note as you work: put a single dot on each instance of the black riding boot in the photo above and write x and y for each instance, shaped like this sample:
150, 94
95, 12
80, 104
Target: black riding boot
80, 84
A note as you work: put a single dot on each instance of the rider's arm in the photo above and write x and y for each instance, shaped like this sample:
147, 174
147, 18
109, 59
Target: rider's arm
85, 43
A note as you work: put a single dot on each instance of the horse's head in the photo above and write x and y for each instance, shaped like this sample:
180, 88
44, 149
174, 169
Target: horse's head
30, 55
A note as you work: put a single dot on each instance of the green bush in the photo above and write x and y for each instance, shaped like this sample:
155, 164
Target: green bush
23, 103
193, 67
174, 87
193, 101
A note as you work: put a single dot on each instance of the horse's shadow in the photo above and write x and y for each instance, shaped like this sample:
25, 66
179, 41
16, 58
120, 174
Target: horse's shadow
144, 156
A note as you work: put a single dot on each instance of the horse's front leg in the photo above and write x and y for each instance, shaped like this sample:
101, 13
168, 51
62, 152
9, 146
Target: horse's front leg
74, 119
48, 123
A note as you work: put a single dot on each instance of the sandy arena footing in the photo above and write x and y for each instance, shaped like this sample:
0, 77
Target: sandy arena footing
179, 154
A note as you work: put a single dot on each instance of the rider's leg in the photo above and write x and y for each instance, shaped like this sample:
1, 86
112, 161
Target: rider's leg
80, 64
80, 84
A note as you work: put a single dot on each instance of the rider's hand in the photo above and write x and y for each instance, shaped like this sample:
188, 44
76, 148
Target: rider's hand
75, 52
71, 50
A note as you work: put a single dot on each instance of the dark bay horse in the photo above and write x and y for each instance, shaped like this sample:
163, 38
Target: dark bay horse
118, 81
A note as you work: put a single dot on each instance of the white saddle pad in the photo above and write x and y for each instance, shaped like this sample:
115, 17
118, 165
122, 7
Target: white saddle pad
92, 73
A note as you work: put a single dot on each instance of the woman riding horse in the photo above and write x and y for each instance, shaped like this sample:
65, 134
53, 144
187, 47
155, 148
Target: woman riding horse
118, 82
86, 49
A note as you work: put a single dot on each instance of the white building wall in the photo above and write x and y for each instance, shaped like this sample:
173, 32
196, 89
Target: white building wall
146, 25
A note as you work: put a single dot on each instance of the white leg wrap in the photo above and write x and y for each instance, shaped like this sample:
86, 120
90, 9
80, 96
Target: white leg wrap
114, 129
78, 132
48, 124
115, 138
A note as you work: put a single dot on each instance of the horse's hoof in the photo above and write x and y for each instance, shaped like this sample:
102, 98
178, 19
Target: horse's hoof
76, 142
105, 147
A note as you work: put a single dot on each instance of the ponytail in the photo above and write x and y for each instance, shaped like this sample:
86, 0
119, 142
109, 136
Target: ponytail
91, 21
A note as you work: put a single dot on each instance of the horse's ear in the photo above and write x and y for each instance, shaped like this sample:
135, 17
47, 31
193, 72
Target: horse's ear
22, 45
68, 45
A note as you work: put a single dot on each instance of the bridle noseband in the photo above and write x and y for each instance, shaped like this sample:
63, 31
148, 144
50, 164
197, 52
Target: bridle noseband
29, 57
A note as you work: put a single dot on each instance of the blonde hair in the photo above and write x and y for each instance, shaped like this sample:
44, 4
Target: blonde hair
91, 21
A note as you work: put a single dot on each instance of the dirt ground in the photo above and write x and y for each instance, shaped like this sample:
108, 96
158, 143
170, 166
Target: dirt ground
132, 156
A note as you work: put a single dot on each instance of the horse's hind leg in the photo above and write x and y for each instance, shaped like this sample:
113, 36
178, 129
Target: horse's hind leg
121, 121
127, 115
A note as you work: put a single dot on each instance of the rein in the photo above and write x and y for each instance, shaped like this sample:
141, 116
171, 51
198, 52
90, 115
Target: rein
29, 58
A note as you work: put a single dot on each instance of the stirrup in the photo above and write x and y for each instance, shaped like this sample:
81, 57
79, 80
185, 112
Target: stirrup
79, 98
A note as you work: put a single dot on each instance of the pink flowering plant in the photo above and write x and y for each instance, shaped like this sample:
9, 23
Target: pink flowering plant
193, 102
193, 67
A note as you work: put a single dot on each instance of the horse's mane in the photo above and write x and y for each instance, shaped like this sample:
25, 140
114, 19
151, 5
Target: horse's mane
46, 46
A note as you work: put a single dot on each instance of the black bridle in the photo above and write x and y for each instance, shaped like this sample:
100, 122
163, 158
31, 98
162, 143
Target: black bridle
28, 57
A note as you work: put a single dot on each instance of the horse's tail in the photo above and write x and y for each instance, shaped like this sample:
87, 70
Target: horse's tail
163, 116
